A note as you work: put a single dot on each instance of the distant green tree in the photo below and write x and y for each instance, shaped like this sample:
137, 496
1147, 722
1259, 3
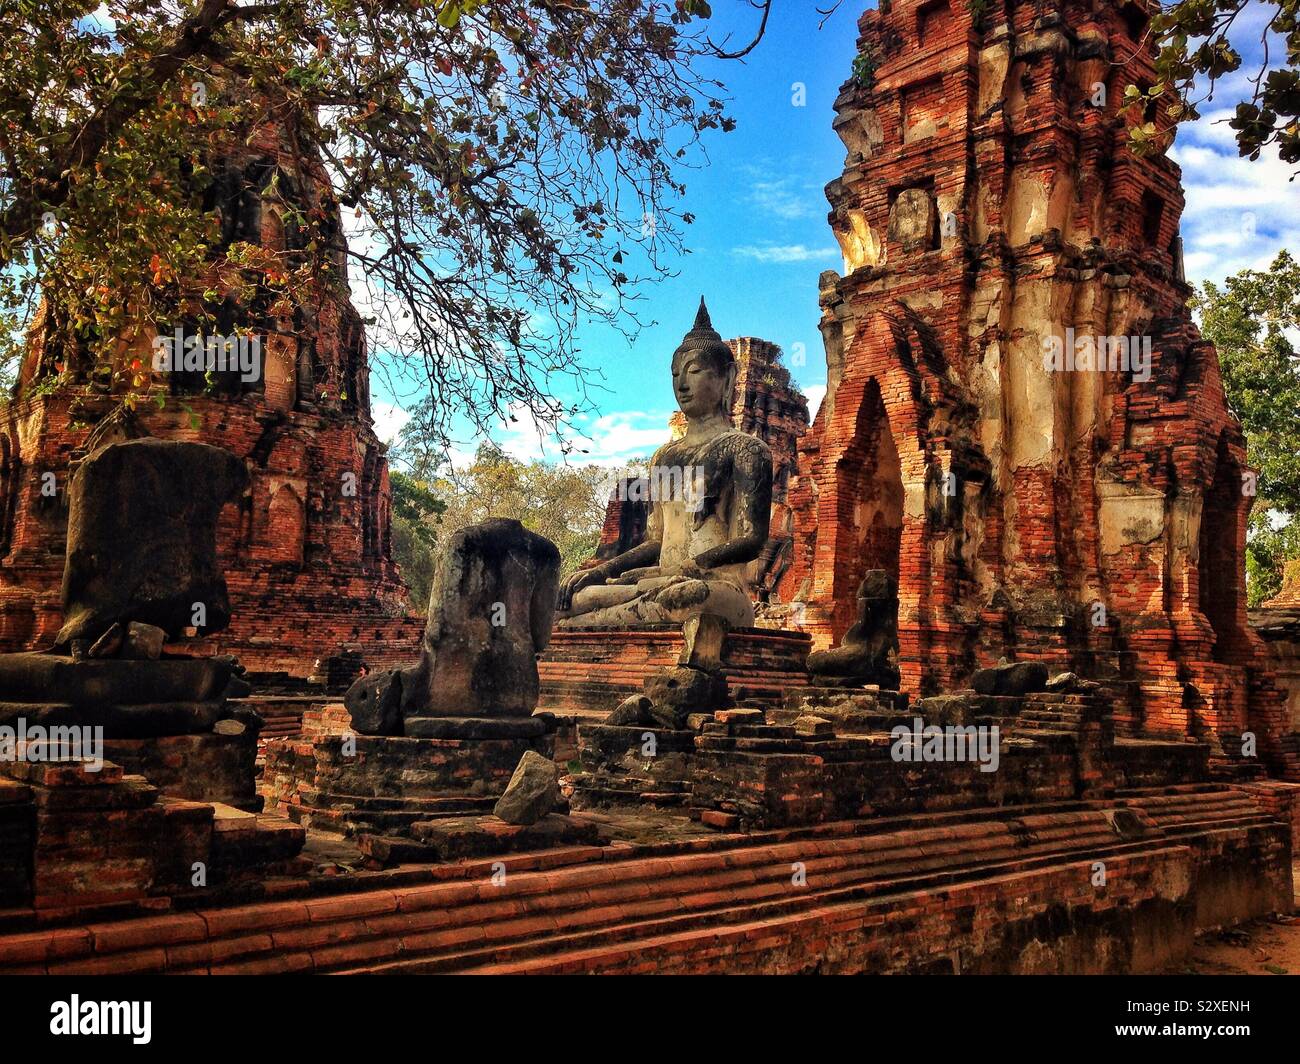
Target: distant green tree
564, 503
415, 510
1250, 319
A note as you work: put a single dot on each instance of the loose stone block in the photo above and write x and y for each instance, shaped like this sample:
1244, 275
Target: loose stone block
533, 791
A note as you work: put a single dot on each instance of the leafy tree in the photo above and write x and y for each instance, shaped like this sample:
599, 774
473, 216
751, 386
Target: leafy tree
1271, 555
1250, 320
499, 163
566, 504
1198, 43
416, 511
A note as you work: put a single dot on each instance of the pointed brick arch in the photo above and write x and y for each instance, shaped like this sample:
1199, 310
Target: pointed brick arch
876, 461
286, 524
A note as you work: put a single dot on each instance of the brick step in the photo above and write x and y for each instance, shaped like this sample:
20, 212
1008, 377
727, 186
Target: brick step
599, 890
746, 933
321, 934
1190, 826
757, 906
585, 781
1236, 771
657, 882
1070, 721
1176, 814
1179, 817
1175, 804
1039, 712
241, 840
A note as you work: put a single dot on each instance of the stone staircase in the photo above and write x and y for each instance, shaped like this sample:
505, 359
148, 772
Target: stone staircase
1116, 670
601, 909
1051, 718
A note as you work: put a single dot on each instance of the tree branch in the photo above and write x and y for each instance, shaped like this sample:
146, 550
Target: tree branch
50, 188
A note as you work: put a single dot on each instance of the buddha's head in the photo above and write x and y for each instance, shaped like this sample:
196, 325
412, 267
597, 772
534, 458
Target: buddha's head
704, 370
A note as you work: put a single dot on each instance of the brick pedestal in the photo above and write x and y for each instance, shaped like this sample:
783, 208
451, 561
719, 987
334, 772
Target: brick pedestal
586, 672
351, 783
632, 766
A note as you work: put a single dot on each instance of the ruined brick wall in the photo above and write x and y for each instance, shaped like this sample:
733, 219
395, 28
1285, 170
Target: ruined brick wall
767, 404
990, 207
1277, 622
308, 549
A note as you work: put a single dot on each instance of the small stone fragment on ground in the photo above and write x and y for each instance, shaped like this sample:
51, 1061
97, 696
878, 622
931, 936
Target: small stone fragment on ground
533, 791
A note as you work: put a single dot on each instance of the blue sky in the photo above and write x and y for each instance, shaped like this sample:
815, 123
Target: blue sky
761, 238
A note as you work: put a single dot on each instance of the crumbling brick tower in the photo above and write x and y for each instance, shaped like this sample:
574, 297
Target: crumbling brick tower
770, 405
307, 550
989, 203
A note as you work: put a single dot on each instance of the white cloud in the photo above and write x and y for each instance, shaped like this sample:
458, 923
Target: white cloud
610, 439
783, 197
785, 253
389, 420
815, 393
1238, 213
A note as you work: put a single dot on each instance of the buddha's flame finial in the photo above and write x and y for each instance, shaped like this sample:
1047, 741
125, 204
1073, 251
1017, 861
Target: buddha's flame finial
704, 339
702, 317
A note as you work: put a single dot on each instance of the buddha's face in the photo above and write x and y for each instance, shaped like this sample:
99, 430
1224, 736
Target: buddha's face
700, 386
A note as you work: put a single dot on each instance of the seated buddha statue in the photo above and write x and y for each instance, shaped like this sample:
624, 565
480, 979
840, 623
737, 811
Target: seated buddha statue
710, 494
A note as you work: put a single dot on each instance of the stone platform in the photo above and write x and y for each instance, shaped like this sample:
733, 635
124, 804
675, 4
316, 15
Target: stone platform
333, 780
614, 769
79, 841
586, 672
1013, 890
167, 720
828, 754
457, 837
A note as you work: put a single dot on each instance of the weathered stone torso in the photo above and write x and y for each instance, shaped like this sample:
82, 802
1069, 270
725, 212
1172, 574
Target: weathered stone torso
693, 522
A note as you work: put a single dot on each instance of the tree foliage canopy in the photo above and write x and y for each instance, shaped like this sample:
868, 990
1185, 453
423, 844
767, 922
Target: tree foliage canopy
566, 504
1199, 42
1251, 319
500, 165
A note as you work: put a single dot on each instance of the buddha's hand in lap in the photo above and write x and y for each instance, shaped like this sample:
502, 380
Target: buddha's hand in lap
635, 576
597, 574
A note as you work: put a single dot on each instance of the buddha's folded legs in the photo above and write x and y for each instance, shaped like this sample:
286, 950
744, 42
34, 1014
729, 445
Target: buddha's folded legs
598, 597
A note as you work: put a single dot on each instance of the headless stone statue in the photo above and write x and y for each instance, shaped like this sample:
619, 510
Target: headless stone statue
866, 653
142, 544
141, 567
490, 612
711, 501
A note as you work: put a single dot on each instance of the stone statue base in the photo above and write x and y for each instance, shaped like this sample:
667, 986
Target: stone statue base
333, 779
167, 719
615, 771
54, 678
119, 802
